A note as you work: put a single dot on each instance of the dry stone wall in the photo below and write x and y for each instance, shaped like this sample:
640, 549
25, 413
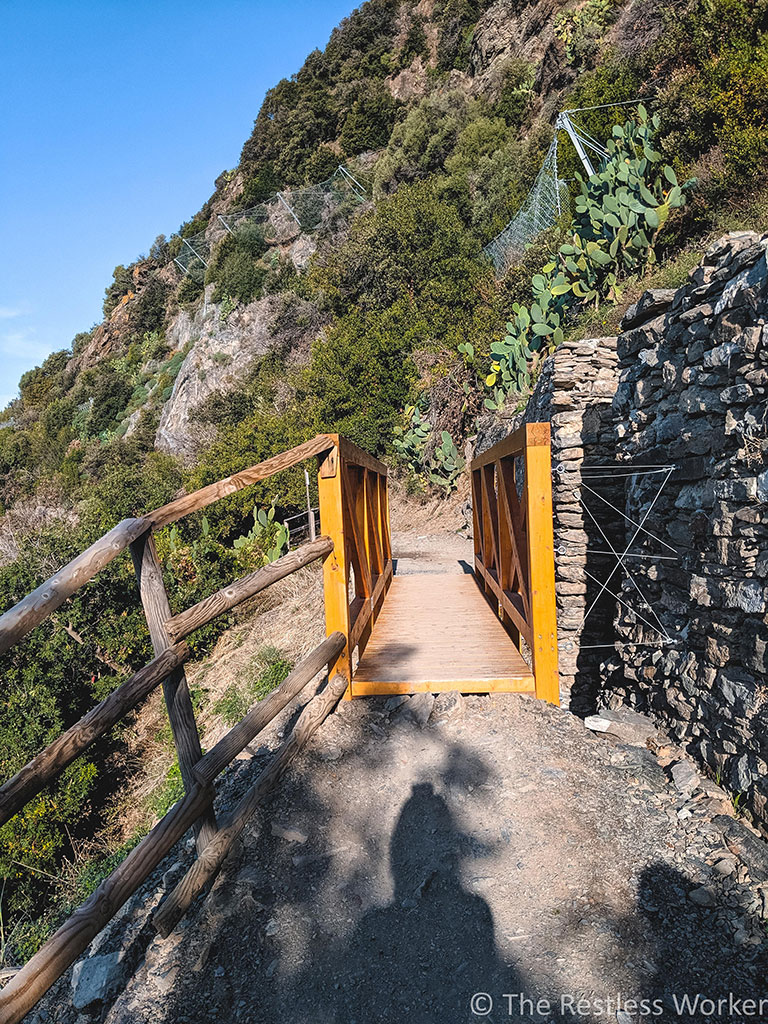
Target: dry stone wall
692, 393
678, 626
574, 393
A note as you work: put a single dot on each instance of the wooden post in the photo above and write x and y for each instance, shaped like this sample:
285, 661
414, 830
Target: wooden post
541, 561
157, 610
335, 565
208, 864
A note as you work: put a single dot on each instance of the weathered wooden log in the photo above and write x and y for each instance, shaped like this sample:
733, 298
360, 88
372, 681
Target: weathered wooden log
33, 608
157, 610
49, 762
211, 859
207, 495
66, 945
223, 600
230, 745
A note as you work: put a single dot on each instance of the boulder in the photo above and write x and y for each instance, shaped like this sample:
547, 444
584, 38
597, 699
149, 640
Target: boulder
96, 978
623, 724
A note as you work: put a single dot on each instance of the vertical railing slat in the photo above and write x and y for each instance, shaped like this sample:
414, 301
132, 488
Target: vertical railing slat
541, 563
335, 566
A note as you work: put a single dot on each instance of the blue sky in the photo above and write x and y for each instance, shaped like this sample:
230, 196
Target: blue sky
117, 116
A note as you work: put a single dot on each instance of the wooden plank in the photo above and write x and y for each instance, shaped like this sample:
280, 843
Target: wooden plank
49, 596
541, 568
528, 435
477, 503
366, 614
511, 602
514, 519
359, 457
437, 631
520, 684
64, 947
352, 505
238, 737
490, 517
229, 597
386, 532
157, 610
207, 865
335, 565
63, 751
373, 523
229, 485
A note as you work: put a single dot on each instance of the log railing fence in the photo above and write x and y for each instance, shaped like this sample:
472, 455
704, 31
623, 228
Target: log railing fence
356, 549
514, 544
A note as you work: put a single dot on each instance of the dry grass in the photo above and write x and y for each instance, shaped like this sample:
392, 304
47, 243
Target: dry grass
288, 616
427, 514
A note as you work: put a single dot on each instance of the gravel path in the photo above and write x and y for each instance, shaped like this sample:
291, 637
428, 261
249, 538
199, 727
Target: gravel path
420, 854
500, 849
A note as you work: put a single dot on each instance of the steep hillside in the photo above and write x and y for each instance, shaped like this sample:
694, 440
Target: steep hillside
302, 298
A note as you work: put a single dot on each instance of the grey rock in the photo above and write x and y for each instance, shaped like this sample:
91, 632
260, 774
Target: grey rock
703, 897
395, 702
685, 777
650, 304
624, 724
726, 866
418, 709
95, 979
447, 705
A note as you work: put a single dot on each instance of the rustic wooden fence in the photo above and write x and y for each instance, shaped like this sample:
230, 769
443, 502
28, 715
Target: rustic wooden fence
356, 548
514, 544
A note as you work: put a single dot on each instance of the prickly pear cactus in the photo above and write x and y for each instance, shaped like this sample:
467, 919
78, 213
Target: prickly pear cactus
618, 215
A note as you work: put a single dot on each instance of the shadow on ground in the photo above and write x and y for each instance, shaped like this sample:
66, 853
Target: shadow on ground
377, 917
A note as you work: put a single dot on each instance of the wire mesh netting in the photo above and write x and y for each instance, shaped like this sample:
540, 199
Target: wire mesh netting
283, 217
541, 209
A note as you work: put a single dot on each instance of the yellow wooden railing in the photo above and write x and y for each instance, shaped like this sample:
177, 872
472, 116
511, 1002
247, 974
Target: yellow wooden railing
514, 544
354, 514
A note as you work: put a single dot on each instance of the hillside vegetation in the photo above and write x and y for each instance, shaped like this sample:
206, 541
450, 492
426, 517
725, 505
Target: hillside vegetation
392, 332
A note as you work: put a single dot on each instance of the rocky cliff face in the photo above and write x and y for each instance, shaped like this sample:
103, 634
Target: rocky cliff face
221, 349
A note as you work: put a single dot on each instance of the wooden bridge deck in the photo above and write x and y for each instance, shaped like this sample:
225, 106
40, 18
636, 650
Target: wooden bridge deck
437, 632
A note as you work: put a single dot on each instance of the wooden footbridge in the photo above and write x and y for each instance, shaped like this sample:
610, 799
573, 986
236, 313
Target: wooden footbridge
386, 634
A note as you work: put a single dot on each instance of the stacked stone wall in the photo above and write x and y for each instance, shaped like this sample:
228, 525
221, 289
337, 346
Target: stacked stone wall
692, 393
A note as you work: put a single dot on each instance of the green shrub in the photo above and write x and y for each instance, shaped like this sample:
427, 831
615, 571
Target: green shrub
122, 284
370, 120
235, 267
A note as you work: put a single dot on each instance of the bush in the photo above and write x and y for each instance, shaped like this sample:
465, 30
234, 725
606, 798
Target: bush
122, 284
369, 122
235, 267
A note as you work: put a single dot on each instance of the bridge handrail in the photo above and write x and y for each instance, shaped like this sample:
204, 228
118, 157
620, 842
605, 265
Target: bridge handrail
353, 503
514, 544
354, 513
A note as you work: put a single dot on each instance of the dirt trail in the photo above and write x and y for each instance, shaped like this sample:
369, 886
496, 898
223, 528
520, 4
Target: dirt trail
498, 847
505, 850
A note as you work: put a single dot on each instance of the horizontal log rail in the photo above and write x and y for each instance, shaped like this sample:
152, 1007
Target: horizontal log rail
514, 544
49, 596
240, 735
229, 597
208, 863
34, 776
197, 500
353, 499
